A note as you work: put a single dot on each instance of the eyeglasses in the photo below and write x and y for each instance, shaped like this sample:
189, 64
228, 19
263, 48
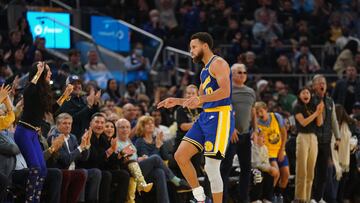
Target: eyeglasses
241, 72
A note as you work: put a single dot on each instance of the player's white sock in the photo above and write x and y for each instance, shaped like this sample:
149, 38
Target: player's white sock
199, 193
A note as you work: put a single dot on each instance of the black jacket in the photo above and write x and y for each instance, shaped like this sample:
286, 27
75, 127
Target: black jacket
81, 113
98, 158
325, 132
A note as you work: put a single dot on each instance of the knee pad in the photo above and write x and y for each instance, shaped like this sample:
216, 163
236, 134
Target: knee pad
212, 168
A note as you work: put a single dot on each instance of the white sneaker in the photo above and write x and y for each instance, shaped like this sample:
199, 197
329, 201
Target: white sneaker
313, 201
322, 201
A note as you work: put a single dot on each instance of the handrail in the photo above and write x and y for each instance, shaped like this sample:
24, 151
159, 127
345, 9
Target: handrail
58, 54
172, 49
157, 54
72, 28
302, 79
182, 52
62, 4
313, 46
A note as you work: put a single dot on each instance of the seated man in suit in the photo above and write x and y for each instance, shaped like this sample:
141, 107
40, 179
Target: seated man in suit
69, 153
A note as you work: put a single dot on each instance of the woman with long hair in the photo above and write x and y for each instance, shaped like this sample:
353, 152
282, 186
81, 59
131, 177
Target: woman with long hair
110, 129
341, 156
112, 92
307, 117
37, 102
147, 146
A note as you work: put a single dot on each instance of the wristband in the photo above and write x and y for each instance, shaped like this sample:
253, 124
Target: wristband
35, 77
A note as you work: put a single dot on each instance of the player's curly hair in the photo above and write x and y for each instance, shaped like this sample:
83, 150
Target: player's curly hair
204, 37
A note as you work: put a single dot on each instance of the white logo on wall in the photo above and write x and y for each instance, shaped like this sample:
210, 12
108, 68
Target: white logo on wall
38, 30
44, 29
112, 33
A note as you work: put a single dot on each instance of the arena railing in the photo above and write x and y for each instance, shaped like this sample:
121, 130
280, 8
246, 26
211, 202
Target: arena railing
64, 5
180, 59
319, 50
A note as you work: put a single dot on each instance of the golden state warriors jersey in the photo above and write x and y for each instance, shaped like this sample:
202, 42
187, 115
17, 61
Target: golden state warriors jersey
209, 85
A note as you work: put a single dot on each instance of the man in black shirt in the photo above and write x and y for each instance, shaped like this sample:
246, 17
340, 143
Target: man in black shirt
103, 156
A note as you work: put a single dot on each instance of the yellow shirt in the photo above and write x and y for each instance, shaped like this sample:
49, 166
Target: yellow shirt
272, 136
6, 120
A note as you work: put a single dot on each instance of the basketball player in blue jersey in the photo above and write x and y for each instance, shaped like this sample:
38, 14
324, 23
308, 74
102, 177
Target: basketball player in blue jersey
211, 132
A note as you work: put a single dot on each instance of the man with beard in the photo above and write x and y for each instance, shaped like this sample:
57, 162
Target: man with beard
211, 131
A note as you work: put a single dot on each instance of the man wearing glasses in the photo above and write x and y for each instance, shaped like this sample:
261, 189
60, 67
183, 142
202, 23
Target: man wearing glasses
243, 100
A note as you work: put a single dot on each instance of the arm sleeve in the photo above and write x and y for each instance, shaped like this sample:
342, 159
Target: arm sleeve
334, 123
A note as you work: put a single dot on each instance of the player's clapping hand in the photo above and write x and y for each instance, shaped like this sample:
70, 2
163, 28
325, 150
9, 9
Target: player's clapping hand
167, 103
192, 102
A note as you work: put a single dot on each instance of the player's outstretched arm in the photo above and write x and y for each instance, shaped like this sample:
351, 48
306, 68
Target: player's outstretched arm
170, 102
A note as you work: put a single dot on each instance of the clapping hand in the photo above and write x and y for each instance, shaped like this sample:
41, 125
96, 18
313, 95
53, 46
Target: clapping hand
320, 107
159, 140
58, 142
97, 97
4, 92
128, 150
114, 144
15, 85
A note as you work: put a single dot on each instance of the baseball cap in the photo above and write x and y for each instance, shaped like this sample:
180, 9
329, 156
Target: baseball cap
72, 78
